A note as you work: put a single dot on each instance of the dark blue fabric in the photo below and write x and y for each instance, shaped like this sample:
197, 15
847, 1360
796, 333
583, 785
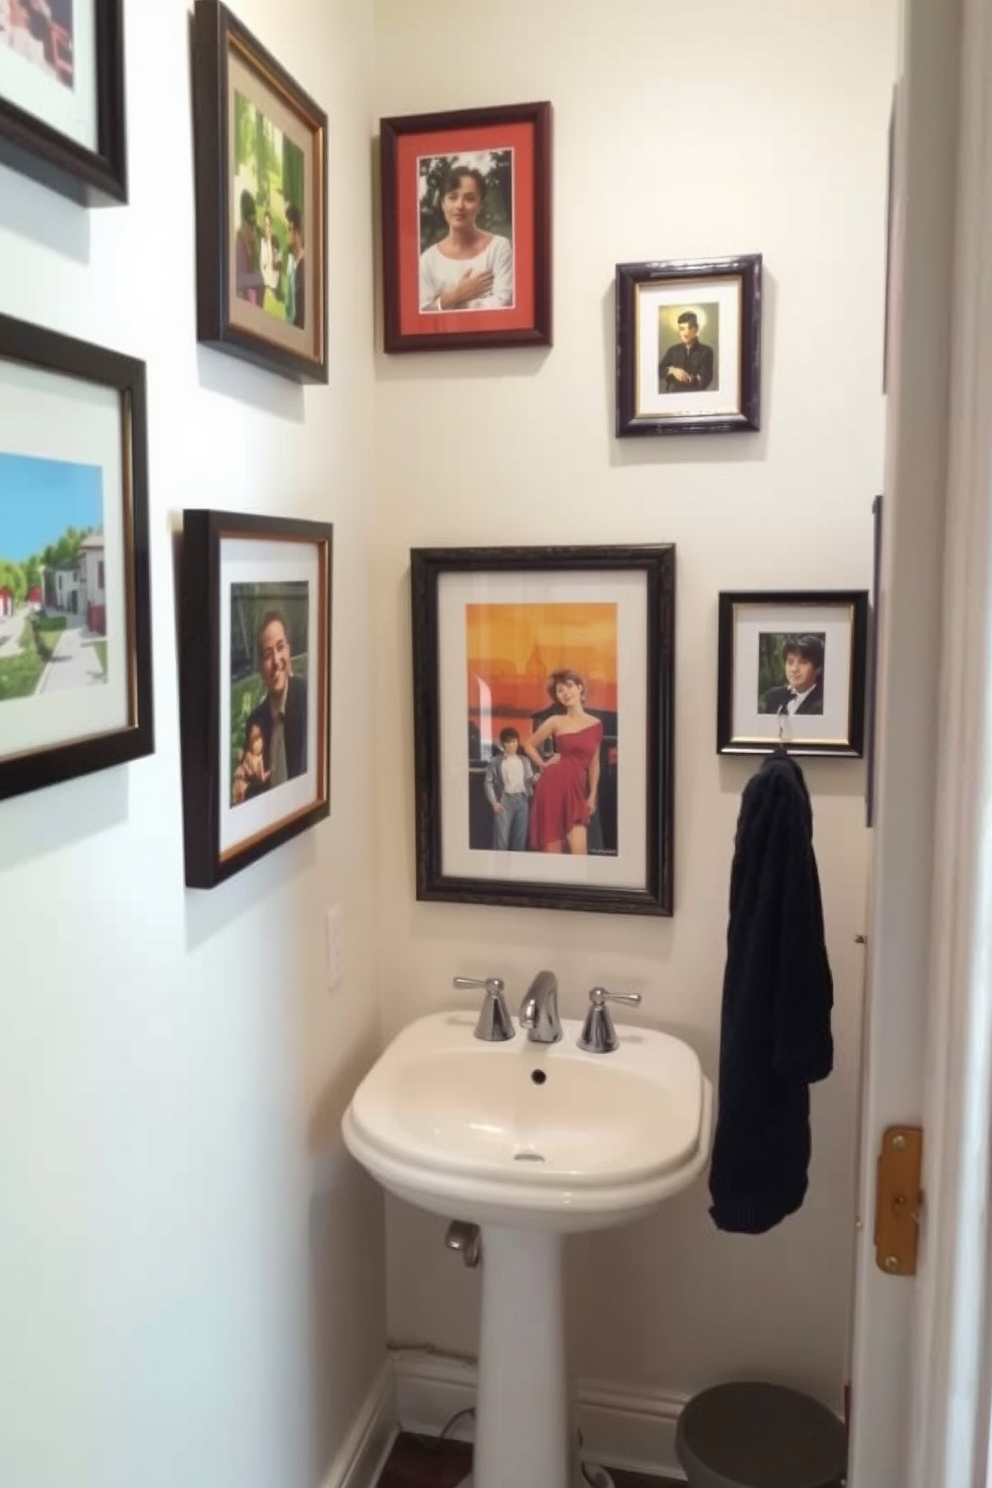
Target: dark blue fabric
775, 1037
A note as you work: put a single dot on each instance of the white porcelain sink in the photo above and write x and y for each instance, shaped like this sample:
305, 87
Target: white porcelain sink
531, 1135
529, 1141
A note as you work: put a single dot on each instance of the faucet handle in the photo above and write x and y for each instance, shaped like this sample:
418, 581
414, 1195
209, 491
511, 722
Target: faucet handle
598, 1034
495, 1025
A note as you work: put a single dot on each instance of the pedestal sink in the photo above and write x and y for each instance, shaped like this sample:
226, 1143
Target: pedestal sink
530, 1142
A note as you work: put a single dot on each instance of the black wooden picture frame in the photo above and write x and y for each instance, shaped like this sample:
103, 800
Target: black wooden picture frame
236, 809
688, 346
38, 148
76, 669
243, 309
792, 671
610, 623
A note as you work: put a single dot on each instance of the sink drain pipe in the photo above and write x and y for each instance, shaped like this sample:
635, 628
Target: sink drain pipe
465, 1238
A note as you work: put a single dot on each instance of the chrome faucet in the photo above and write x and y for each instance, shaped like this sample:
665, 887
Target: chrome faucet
539, 1010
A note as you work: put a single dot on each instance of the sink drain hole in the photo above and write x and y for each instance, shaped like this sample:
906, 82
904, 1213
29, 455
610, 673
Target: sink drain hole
527, 1157
538, 1076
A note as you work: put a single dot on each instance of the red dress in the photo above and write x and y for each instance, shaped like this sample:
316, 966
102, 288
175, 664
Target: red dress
561, 796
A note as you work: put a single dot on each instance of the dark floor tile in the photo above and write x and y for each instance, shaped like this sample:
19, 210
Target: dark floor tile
425, 1462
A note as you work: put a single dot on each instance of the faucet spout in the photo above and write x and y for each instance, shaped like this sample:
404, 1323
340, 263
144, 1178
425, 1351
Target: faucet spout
539, 1010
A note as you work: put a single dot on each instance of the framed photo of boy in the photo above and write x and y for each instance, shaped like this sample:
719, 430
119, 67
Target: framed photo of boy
255, 635
543, 726
792, 672
62, 113
261, 203
688, 345
466, 229
75, 622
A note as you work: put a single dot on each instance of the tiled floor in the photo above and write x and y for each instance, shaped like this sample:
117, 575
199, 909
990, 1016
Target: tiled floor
420, 1462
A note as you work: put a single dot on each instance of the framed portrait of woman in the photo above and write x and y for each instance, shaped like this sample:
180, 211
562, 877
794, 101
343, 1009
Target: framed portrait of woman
261, 203
62, 96
466, 229
543, 726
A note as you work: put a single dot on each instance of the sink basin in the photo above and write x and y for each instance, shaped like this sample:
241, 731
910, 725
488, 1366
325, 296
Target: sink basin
533, 1136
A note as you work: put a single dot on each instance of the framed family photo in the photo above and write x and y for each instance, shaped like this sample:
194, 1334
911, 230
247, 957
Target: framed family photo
75, 627
792, 672
261, 203
688, 346
255, 635
543, 726
62, 115
466, 229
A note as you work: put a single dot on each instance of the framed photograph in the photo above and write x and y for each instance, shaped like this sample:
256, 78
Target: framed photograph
792, 672
689, 346
466, 229
255, 636
543, 727
261, 203
75, 628
62, 96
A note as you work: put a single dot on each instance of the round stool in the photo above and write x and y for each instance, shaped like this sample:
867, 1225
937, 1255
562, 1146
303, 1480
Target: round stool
753, 1435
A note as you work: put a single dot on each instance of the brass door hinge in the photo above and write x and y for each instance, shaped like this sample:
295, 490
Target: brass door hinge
898, 1200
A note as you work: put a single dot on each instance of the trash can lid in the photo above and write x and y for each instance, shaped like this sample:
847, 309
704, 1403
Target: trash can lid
754, 1435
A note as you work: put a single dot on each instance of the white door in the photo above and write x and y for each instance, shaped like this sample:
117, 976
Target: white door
920, 1395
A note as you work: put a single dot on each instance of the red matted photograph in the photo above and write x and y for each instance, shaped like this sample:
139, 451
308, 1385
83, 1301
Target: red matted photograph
466, 229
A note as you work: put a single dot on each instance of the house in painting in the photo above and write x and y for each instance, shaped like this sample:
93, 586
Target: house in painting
93, 595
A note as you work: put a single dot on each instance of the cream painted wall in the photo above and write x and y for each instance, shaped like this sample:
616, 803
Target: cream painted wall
679, 132
172, 1259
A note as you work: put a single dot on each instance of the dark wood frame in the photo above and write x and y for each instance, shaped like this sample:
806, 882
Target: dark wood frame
538, 115
34, 346
202, 672
214, 30
93, 178
629, 276
792, 600
657, 563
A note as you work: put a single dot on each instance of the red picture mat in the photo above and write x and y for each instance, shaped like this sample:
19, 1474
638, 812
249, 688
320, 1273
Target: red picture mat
409, 149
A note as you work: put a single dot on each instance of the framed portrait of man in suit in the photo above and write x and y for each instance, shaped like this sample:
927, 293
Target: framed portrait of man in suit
792, 672
689, 346
255, 686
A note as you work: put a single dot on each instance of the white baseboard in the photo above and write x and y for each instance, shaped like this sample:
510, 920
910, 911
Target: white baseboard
621, 1426
370, 1440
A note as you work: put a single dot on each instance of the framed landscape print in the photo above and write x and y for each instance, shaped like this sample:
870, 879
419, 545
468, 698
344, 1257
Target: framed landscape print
466, 229
792, 672
62, 96
543, 698
688, 346
75, 630
261, 202
255, 635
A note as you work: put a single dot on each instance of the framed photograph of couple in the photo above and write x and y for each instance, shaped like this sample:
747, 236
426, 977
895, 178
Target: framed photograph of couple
688, 346
466, 229
792, 672
75, 622
255, 636
261, 203
62, 115
543, 726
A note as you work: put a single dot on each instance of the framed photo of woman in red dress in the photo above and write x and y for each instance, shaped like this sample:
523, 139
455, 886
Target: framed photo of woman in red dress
543, 728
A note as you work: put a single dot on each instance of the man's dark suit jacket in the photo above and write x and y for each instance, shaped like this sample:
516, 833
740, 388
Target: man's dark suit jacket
779, 696
696, 359
295, 728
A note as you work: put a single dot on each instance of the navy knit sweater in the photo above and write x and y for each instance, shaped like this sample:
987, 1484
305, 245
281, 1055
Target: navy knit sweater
777, 995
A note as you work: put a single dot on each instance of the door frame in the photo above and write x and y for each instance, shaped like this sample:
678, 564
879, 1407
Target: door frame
920, 1356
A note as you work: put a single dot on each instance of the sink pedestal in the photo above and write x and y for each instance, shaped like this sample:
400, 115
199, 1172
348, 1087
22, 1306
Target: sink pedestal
522, 1428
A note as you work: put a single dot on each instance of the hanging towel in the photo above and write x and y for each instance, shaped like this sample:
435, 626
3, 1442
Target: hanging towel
775, 1034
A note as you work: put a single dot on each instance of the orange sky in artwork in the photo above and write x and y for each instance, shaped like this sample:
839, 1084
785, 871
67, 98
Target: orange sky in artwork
512, 644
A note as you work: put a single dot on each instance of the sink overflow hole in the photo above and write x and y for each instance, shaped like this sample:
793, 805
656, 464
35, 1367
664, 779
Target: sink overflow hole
527, 1157
538, 1076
